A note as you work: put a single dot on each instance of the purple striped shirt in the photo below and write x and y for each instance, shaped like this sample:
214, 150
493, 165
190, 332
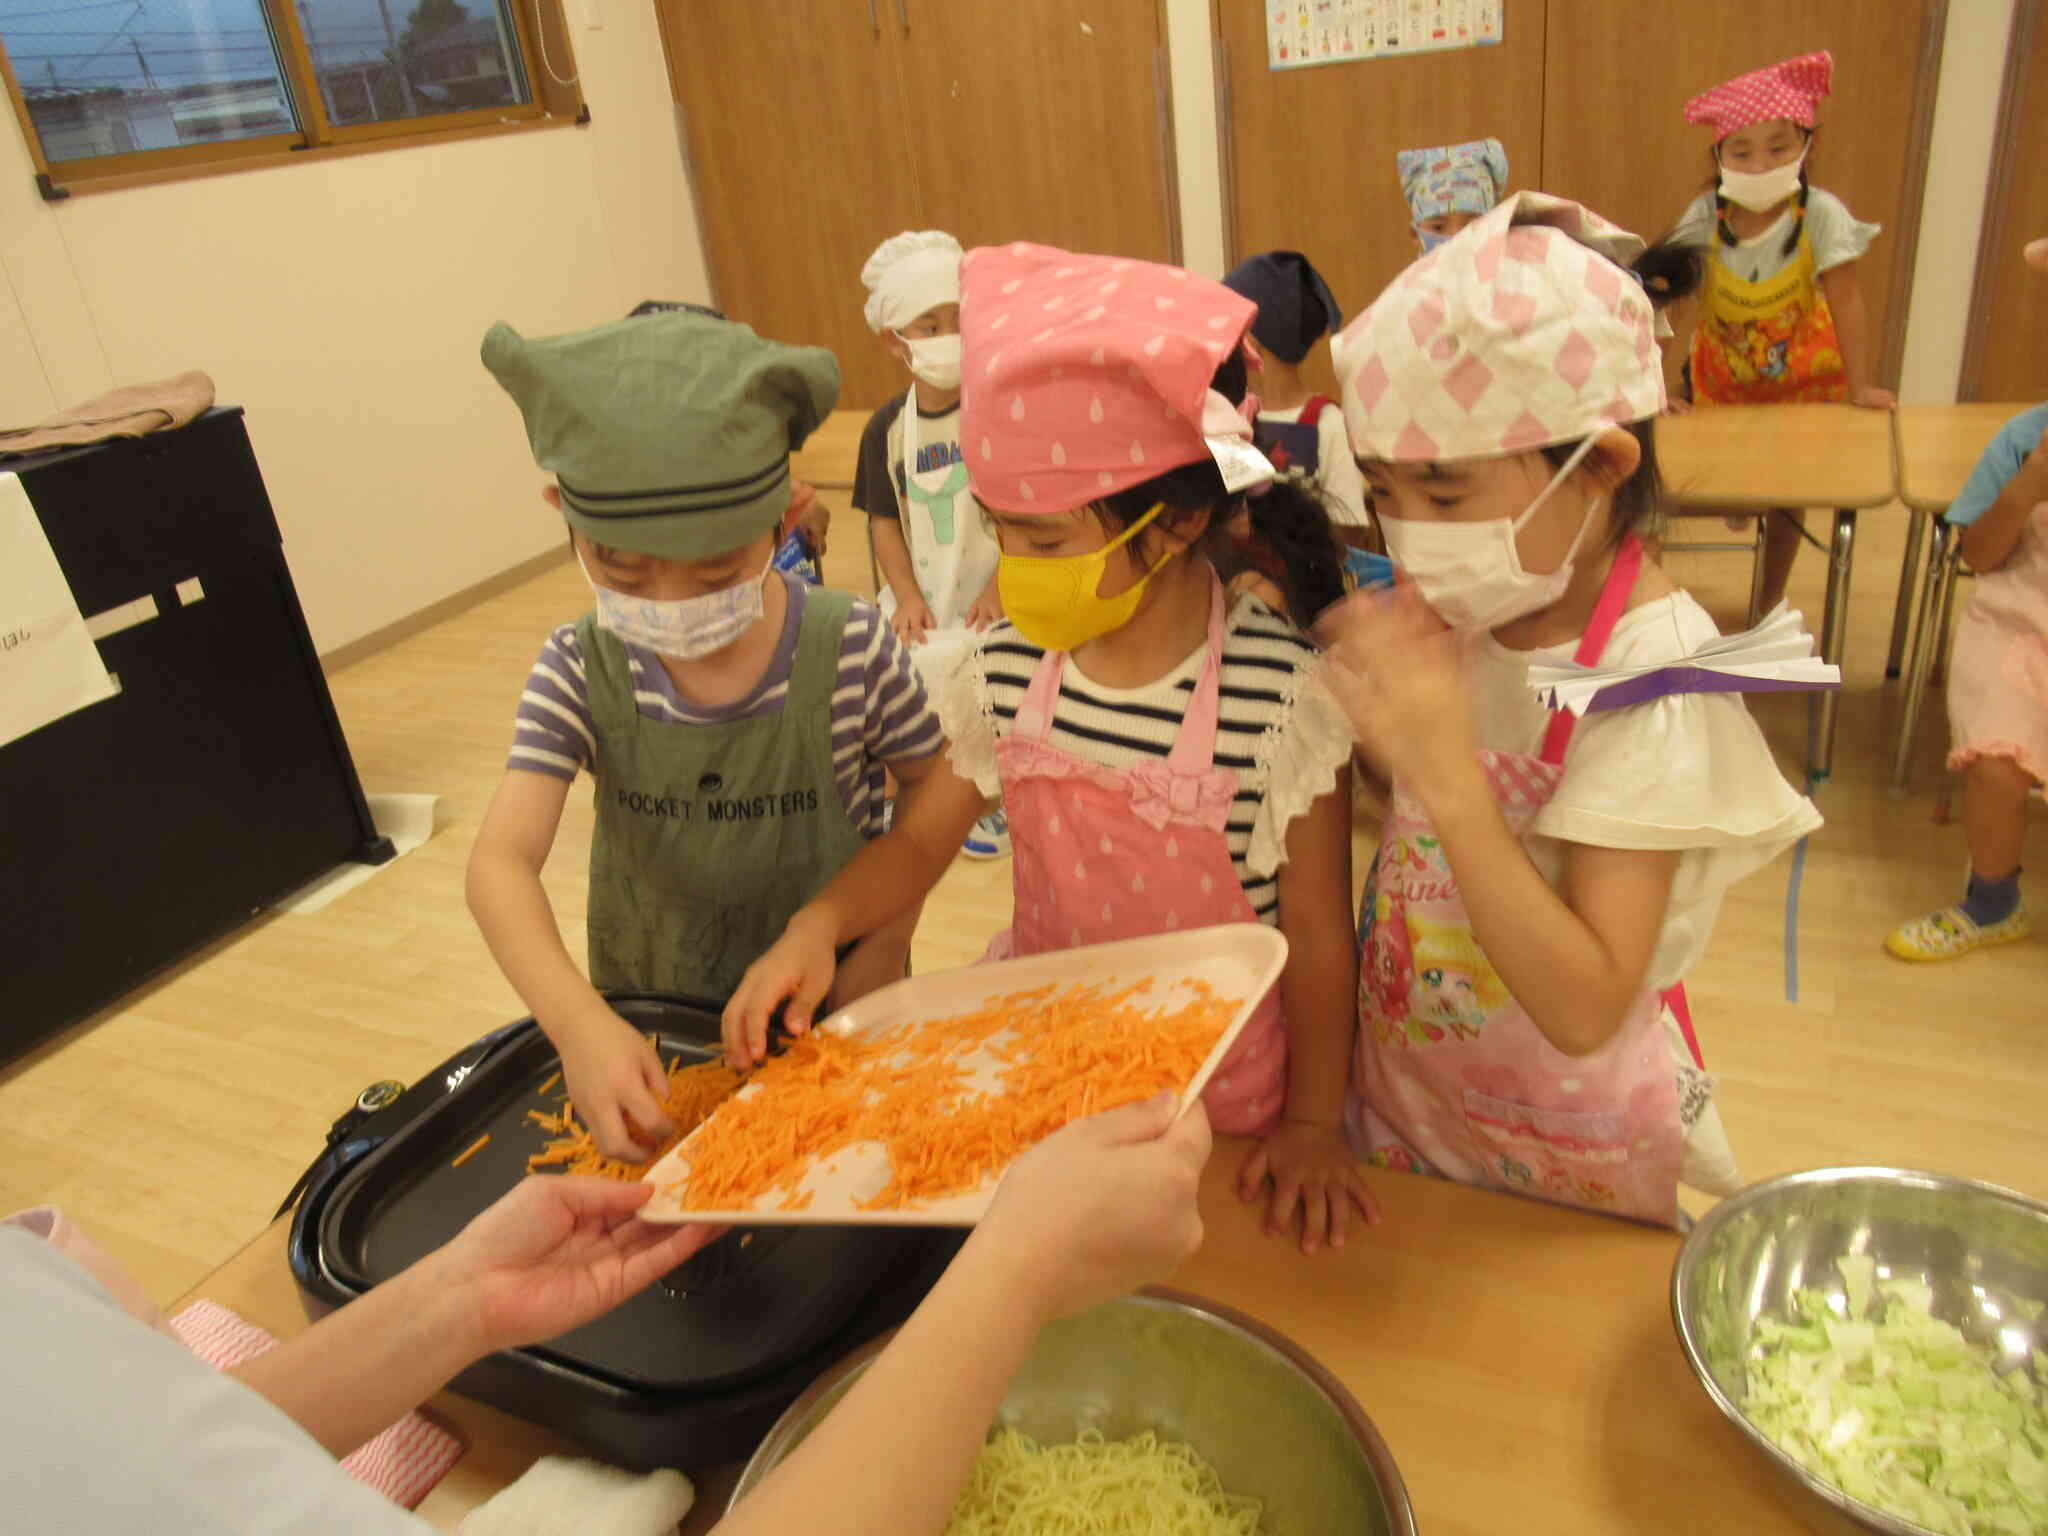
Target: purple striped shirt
880, 714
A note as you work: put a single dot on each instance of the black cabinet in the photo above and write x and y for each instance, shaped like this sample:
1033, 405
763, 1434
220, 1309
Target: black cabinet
216, 780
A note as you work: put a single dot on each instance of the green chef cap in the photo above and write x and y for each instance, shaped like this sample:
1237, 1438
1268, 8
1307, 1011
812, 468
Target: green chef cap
669, 434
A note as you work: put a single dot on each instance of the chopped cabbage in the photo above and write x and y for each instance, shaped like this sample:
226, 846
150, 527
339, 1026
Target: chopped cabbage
1896, 1408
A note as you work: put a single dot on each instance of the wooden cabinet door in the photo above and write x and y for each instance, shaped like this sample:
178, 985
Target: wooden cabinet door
1037, 120
796, 137
2005, 359
1312, 150
1617, 79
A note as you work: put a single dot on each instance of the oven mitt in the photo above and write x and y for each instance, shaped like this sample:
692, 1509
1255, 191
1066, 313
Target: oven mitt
559, 1493
403, 1463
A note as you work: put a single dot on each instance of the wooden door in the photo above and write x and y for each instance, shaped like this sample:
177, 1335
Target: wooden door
2005, 358
1038, 120
795, 131
1312, 150
1617, 80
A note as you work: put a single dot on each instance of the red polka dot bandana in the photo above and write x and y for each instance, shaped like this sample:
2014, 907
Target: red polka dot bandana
1790, 90
1521, 331
1085, 375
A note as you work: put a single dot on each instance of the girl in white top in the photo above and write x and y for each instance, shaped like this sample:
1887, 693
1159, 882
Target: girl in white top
1543, 884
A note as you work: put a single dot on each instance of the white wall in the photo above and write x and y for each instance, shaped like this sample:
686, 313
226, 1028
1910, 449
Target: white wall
1197, 149
342, 302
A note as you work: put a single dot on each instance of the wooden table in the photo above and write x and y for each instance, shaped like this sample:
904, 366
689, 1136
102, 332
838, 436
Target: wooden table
831, 454
1751, 458
1936, 447
1518, 1358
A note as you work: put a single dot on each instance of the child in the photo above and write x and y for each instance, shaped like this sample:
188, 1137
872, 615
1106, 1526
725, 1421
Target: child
937, 556
736, 722
1301, 432
1169, 760
1997, 684
1532, 910
1448, 188
1782, 317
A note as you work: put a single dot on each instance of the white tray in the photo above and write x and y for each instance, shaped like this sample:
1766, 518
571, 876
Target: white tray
1236, 960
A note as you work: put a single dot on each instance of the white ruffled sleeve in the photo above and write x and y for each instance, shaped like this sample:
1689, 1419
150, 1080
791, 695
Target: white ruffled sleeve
1297, 760
961, 700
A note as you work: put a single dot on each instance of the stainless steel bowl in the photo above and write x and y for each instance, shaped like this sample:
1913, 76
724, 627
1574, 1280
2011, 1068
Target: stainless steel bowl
1273, 1422
1983, 1251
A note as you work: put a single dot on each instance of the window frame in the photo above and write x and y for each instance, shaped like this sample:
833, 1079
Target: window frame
551, 103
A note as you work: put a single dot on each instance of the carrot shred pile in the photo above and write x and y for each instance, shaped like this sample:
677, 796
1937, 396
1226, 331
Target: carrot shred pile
1059, 1055
693, 1092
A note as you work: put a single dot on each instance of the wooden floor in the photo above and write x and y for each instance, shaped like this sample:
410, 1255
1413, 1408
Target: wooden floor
172, 1125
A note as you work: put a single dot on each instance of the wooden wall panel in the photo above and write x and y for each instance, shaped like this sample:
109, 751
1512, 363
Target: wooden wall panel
2007, 357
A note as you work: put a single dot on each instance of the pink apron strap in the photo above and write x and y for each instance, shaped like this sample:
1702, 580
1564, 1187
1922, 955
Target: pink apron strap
1194, 745
1621, 580
1041, 699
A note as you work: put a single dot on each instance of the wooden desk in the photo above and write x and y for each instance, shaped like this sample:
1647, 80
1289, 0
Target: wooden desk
830, 456
1935, 448
1519, 1359
1751, 458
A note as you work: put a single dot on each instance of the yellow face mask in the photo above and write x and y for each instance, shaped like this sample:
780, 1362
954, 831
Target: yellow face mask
1054, 599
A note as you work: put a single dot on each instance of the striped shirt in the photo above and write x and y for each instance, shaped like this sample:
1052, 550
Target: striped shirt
1277, 728
880, 713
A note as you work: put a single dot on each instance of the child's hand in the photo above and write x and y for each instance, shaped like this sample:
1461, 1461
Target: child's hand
615, 1079
1874, 399
1311, 1166
1394, 667
798, 968
987, 609
913, 618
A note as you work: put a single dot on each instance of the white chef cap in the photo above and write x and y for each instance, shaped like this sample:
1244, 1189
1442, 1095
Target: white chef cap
909, 274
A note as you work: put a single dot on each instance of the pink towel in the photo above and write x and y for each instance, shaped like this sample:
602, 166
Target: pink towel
402, 1463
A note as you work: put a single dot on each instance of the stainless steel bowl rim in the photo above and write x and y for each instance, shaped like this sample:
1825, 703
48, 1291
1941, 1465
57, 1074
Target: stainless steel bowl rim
1701, 1236
1400, 1512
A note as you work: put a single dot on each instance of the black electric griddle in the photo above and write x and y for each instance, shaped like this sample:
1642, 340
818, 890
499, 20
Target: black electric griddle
690, 1372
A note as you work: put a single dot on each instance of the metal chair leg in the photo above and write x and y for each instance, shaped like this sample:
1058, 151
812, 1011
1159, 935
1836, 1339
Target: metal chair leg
1945, 636
1920, 662
1909, 572
1824, 709
1756, 568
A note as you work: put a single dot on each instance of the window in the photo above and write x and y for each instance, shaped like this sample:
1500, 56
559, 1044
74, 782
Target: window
111, 87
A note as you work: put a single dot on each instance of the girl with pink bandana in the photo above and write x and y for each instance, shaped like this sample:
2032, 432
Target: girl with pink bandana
1167, 754
1543, 882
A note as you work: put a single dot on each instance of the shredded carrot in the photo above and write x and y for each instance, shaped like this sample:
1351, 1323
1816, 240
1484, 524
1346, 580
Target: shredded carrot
472, 1150
548, 1087
1061, 1056
693, 1092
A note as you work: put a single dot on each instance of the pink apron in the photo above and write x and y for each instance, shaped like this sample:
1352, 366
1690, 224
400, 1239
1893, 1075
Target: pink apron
1998, 676
1451, 1076
1104, 854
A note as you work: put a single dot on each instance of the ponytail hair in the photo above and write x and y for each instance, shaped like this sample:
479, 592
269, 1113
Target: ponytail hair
1288, 537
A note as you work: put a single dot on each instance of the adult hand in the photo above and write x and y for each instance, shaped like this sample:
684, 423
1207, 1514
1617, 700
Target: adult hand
798, 967
556, 1252
1311, 1167
913, 618
1395, 668
1100, 1207
617, 1084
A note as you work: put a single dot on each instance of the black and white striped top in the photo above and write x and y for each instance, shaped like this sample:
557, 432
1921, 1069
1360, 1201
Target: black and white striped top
1278, 728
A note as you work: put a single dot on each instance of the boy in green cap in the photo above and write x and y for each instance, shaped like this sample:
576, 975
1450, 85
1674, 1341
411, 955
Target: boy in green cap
737, 722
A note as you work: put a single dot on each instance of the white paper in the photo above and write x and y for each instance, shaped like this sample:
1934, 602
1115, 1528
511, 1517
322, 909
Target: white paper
1239, 462
1778, 649
1300, 33
408, 820
48, 665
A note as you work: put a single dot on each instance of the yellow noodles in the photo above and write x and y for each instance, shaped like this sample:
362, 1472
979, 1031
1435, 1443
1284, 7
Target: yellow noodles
1143, 1486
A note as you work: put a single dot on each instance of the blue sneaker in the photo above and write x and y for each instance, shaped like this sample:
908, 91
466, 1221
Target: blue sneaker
990, 838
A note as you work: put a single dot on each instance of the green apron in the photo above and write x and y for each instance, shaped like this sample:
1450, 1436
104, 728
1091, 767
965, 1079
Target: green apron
709, 837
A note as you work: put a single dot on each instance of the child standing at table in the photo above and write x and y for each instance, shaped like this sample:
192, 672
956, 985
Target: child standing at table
1168, 758
1997, 685
931, 537
736, 721
1449, 187
1543, 883
1782, 316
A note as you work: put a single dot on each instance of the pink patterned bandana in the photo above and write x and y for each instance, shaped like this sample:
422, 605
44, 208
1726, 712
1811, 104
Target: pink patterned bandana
1521, 331
1084, 375
1790, 90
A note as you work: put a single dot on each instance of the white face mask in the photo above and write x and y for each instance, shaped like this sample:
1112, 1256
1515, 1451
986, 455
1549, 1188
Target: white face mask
687, 628
934, 359
1471, 573
1759, 190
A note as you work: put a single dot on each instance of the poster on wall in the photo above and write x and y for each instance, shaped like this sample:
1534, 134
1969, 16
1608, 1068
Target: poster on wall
1300, 33
48, 663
